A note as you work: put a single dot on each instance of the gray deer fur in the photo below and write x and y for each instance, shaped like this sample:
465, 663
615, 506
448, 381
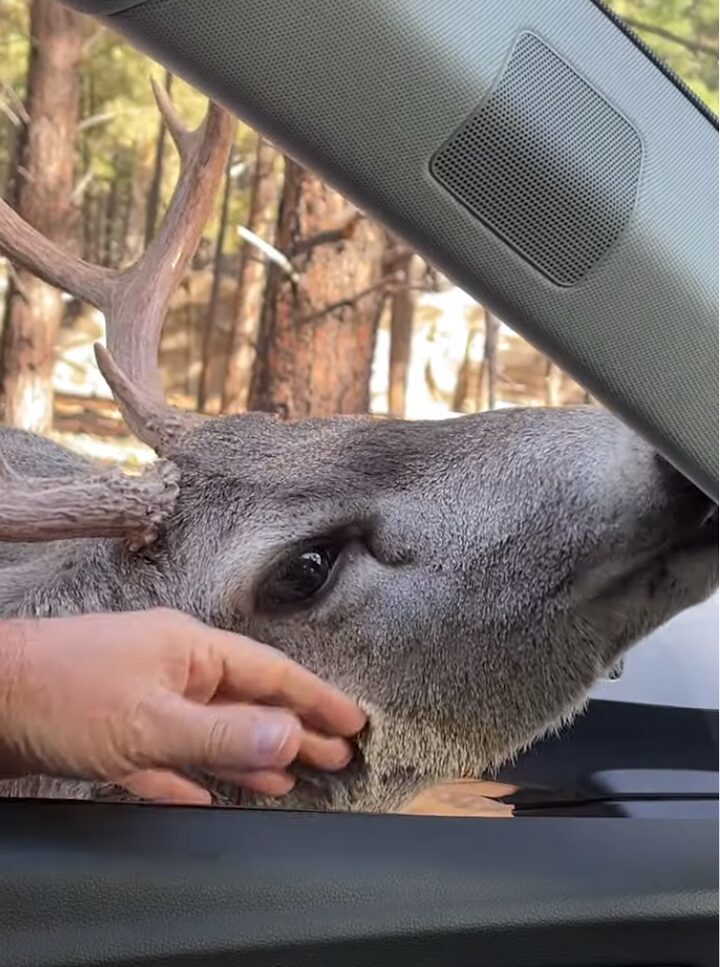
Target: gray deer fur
494, 566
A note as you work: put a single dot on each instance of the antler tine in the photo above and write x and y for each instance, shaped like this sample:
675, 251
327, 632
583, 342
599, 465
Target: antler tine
108, 504
26, 247
135, 300
140, 295
157, 424
182, 137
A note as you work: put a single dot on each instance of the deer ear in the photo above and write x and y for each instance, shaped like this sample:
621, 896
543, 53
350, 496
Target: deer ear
154, 422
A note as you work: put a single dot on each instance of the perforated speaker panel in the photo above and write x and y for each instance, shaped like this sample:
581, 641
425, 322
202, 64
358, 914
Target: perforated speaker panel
546, 163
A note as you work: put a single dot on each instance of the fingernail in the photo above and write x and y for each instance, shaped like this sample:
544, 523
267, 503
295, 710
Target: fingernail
342, 758
271, 737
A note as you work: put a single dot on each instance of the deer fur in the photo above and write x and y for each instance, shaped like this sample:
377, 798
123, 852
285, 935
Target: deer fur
494, 566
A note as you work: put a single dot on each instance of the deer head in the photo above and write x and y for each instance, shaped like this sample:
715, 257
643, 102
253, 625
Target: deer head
467, 580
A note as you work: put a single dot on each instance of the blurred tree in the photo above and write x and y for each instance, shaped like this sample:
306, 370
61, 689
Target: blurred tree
321, 306
43, 196
13, 77
398, 265
243, 329
124, 176
153, 199
553, 384
470, 381
490, 365
212, 310
683, 33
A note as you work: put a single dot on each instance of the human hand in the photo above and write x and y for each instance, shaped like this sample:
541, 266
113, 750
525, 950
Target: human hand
133, 697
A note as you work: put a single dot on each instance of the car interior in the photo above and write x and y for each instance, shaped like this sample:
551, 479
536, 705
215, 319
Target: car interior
547, 162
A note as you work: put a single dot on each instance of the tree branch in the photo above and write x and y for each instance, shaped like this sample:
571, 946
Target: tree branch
18, 105
270, 252
384, 283
102, 118
92, 40
342, 229
81, 187
696, 46
12, 117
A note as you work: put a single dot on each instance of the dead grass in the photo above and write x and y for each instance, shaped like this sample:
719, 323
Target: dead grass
462, 797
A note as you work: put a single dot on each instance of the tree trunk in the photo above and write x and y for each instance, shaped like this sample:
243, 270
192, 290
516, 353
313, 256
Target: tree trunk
212, 310
87, 200
553, 383
190, 353
134, 240
402, 311
127, 203
251, 275
491, 333
44, 199
15, 137
98, 226
318, 324
469, 386
87, 207
109, 257
155, 189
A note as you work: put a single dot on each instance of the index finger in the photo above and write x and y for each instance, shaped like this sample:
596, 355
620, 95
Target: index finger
260, 673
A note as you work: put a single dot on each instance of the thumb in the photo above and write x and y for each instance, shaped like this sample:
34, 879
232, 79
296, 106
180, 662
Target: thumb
222, 737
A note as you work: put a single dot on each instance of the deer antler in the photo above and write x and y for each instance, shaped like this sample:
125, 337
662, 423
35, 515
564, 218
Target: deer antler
109, 504
134, 301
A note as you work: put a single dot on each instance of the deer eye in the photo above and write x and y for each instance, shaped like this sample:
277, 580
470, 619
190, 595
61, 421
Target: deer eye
299, 578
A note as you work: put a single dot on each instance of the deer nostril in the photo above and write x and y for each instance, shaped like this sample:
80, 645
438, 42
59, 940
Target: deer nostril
692, 501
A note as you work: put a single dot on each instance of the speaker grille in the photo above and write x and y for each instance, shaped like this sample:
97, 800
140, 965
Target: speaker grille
546, 163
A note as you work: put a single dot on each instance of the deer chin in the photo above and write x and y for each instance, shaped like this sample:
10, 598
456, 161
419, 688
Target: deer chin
362, 786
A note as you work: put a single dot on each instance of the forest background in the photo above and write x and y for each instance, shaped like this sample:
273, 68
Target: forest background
85, 157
